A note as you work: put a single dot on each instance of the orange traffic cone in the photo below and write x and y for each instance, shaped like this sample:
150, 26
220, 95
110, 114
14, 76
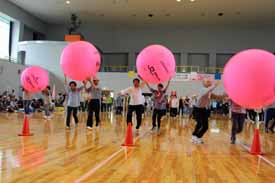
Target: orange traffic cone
256, 145
129, 136
26, 128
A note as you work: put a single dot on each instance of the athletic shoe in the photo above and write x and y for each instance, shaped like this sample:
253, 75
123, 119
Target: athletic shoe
153, 128
194, 139
49, 117
158, 131
89, 128
233, 140
68, 128
199, 141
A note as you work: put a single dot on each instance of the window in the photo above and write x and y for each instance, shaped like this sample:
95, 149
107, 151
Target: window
4, 37
222, 59
198, 59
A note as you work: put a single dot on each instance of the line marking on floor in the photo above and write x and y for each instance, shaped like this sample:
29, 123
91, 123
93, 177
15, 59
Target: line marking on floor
246, 147
260, 156
104, 162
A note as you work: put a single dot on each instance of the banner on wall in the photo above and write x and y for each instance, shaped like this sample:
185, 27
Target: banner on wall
193, 76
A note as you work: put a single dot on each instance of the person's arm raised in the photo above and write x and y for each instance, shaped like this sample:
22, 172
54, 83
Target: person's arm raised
168, 84
143, 83
125, 91
65, 79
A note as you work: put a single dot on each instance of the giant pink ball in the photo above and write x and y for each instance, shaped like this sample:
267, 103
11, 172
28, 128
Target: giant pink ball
80, 60
249, 78
156, 64
34, 79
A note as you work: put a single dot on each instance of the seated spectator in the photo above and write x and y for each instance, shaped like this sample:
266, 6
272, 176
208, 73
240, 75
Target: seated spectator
19, 103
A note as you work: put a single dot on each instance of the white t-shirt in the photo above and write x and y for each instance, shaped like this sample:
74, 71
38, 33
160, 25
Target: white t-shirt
136, 97
174, 103
83, 96
27, 95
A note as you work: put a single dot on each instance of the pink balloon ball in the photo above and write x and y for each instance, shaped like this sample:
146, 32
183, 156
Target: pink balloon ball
34, 79
80, 60
156, 64
249, 78
98, 63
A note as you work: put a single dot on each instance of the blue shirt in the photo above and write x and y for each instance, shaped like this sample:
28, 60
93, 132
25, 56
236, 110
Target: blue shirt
73, 97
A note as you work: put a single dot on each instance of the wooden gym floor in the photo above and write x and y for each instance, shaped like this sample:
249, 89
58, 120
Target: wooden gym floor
54, 155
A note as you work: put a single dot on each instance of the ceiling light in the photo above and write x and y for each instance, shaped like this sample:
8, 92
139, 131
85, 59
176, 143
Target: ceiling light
68, 2
192, 0
178, 0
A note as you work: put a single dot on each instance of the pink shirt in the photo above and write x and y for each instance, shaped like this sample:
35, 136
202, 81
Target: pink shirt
237, 108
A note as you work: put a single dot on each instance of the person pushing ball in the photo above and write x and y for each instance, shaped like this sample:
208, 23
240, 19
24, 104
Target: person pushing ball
201, 112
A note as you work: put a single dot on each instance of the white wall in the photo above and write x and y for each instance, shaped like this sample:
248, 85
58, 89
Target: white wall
119, 81
47, 55
9, 77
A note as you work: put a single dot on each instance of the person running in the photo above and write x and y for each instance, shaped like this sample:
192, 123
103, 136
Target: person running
27, 99
201, 113
119, 105
94, 103
269, 114
159, 104
181, 106
174, 104
238, 118
83, 101
136, 102
73, 101
47, 102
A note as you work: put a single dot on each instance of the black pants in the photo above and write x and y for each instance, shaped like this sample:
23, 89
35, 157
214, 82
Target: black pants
252, 114
237, 124
181, 111
103, 107
26, 104
157, 115
269, 115
93, 107
173, 112
69, 112
201, 116
109, 107
138, 109
119, 110
83, 106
